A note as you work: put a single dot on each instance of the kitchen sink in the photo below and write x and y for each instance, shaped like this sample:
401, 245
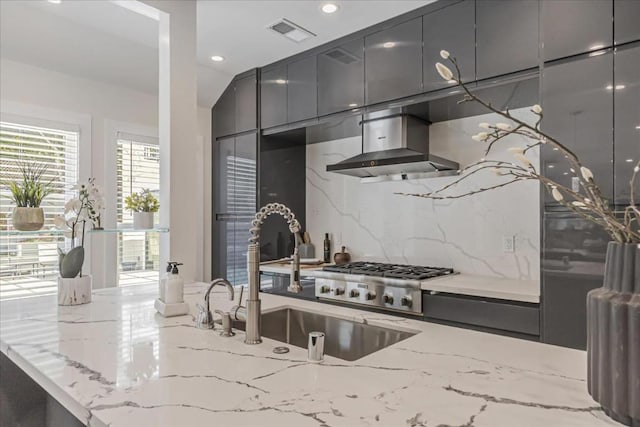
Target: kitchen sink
344, 339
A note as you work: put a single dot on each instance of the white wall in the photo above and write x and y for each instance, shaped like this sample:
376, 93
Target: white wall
376, 224
38, 87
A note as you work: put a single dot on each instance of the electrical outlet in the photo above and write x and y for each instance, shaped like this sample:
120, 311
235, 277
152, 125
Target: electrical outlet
508, 244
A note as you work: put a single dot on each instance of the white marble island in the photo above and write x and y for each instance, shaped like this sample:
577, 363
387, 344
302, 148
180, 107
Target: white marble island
115, 362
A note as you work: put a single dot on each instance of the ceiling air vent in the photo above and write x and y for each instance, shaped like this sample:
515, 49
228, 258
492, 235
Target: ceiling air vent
290, 30
342, 56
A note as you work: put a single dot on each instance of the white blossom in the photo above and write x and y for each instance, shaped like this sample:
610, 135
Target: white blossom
578, 204
523, 159
59, 222
444, 72
516, 150
503, 126
586, 173
444, 54
482, 136
557, 195
536, 109
484, 125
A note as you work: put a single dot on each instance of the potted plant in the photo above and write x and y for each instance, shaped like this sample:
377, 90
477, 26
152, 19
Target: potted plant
80, 212
613, 311
28, 193
143, 205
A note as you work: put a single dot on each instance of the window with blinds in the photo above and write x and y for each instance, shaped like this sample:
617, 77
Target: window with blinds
29, 260
138, 168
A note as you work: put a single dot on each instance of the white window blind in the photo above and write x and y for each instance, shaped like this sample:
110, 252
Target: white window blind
138, 168
29, 261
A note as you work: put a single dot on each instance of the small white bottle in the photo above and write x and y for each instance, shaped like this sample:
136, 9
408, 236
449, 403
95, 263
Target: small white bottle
163, 280
174, 286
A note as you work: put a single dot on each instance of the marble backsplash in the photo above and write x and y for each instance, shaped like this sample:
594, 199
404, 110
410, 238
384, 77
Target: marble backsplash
466, 234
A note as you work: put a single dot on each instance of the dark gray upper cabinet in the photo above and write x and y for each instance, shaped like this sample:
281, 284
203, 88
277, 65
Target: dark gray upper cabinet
626, 16
577, 101
224, 120
507, 36
393, 62
273, 97
627, 121
451, 29
302, 89
246, 104
341, 78
570, 27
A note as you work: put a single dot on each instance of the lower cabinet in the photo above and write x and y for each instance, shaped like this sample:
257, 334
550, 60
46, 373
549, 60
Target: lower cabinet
501, 315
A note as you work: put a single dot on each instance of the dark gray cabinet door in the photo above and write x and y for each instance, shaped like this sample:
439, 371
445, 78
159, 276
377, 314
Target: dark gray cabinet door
451, 29
224, 112
627, 121
393, 62
570, 27
507, 36
273, 97
577, 101
235, 204
341, 78
302, 89
246, 104
626, 16
572, 265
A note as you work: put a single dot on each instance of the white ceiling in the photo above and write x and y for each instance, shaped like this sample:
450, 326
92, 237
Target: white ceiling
100, 40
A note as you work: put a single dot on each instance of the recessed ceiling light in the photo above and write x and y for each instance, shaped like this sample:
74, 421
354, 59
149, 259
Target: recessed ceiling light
389, 45
329, 8
55, 1
638, 127
281, 81
620, 87
217, 58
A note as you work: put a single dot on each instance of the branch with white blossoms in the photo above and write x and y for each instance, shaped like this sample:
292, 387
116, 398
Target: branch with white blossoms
590, 204
86, 208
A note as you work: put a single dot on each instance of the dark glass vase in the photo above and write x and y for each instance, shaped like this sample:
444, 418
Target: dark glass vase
613, 336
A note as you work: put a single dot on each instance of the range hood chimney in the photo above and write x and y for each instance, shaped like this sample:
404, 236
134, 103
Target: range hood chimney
395, 146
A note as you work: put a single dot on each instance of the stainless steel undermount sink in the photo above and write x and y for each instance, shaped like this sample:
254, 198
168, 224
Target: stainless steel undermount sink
344, 339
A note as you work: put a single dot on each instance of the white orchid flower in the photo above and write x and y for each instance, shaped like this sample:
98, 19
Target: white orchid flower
59, 222
444, 54
484, 125
557, 195
444, 72
482, 136
586, 173
503, 126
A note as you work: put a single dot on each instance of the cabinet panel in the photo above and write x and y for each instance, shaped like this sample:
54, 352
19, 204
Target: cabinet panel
577, 100
627, 121
341, 78
573, 263
273, 97
224, 112
246, 104
451, 29
245, 174
302, 89
570, 27
507, 36
225, 172
626, 15
393, 62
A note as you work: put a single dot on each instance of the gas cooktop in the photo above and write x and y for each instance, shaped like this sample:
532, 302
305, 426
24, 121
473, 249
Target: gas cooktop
395, 271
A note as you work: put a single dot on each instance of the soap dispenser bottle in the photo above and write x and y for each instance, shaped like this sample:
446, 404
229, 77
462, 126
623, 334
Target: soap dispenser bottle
163, 280
174, 285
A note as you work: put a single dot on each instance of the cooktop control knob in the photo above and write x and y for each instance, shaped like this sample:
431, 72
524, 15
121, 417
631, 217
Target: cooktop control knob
324, 289
371, 296
388, 299
406, 301
339, 291
354, 293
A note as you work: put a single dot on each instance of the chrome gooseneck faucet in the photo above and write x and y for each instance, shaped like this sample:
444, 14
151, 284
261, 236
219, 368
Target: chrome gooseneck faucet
253, 266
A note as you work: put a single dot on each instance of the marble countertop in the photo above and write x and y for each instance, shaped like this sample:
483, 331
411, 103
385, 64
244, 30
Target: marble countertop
115, 362
463, 284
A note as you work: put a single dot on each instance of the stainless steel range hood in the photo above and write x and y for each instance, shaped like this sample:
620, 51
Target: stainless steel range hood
394, 145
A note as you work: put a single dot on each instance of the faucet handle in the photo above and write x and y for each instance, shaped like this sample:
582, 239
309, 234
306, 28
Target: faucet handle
227, 330
204, 320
